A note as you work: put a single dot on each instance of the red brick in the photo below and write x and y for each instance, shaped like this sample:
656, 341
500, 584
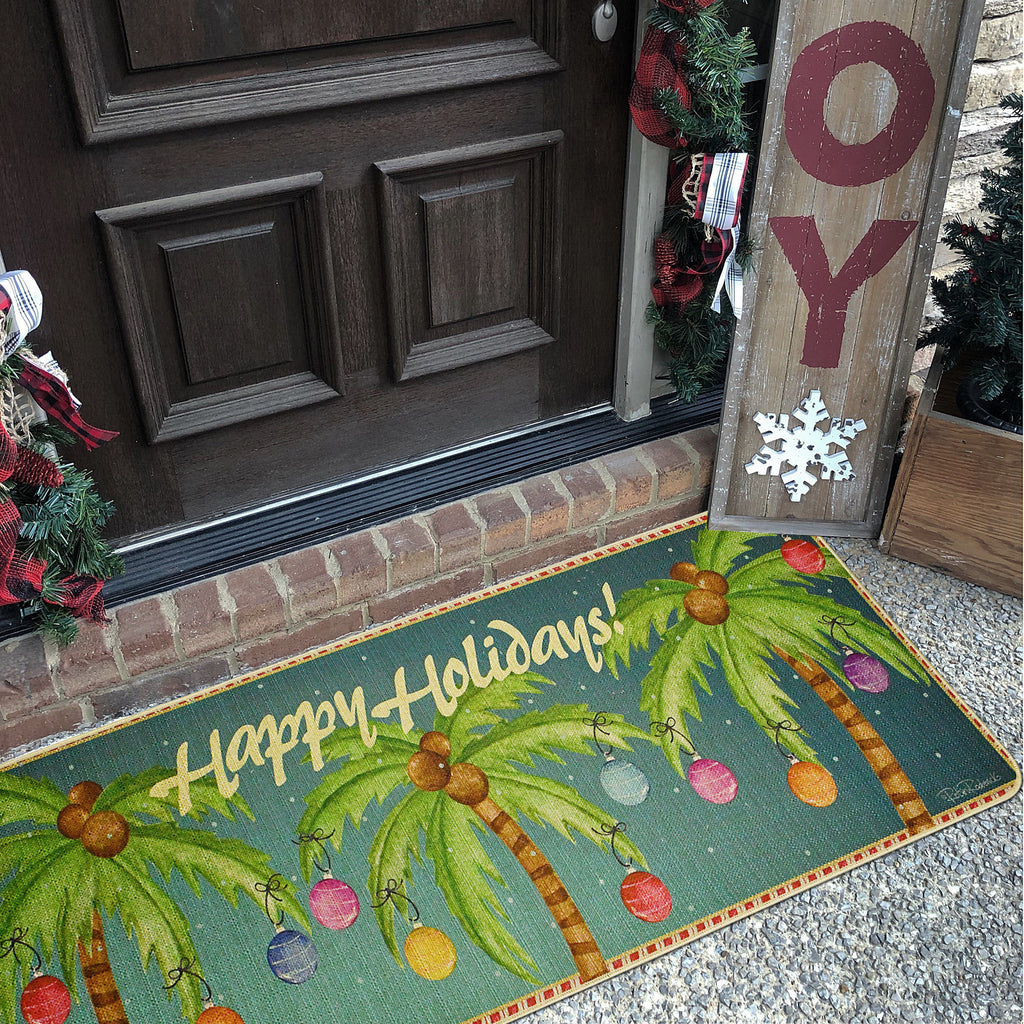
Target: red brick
204, 624
25, 682
88, 664
675, 472
504, 522
158, 687
287, 645
312, 591
147, 638
259, 608
436, 592
653, 518
457, 536
591, 499
54, 720
537, 556
704, 444
410, 553
549, 510
363, 569
633, 481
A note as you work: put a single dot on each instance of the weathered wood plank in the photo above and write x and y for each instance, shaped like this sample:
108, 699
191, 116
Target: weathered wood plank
860, 123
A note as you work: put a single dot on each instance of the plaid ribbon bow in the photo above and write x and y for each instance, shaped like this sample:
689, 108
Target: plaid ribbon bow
47, 383
21, 309
660, 66
711, 186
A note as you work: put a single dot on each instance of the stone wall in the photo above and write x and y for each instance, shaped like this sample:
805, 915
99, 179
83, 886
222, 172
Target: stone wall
998, 68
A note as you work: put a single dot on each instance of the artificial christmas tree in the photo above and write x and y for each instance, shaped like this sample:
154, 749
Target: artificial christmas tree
981, 302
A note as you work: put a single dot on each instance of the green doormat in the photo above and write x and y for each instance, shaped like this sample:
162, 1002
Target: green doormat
475, 812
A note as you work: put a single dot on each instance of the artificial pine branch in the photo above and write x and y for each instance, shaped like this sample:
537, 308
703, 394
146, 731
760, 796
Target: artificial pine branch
981, 301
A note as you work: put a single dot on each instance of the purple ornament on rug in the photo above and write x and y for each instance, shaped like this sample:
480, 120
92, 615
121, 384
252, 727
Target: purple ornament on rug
864, 672
711, 780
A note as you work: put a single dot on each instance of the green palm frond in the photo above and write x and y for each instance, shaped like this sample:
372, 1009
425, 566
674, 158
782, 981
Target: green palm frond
637, 612
396, 842
130, 795
125, 889
543, 733
478, 708
549, 802
26, 799
719, 550
462, 879
369, 773
34, 898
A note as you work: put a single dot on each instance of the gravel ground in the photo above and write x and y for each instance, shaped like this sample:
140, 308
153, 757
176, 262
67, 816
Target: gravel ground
929, 933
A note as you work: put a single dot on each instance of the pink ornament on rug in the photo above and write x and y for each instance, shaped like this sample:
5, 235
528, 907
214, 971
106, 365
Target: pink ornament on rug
711, 780
334, 903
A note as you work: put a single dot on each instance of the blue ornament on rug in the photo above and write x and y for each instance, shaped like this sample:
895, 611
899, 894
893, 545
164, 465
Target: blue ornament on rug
292, 956
624, 782
621, 780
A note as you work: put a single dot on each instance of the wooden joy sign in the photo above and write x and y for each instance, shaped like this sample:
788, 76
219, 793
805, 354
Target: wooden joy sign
861, 120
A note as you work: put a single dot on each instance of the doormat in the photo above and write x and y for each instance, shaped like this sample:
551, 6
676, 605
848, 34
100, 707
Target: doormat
474, 812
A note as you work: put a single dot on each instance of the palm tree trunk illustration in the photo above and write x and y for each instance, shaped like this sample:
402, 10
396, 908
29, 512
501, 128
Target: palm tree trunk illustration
897, 786
99, 978
585, 953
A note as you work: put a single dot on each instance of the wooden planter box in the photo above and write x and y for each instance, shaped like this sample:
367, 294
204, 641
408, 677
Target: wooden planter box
956, 504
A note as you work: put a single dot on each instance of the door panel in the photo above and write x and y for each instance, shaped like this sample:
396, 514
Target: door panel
268, 303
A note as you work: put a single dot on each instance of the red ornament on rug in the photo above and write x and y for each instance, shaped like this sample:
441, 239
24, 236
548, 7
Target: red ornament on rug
803, 556
644, 895
45, 1000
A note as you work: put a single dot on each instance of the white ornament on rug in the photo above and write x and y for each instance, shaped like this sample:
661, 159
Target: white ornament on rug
804, 446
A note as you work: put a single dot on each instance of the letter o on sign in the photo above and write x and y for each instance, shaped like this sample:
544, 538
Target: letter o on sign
815, 148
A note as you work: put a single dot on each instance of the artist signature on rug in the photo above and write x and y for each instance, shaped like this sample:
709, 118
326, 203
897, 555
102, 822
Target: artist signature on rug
968, 787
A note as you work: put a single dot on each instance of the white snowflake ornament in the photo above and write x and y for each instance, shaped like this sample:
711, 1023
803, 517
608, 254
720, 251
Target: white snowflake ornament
804, 446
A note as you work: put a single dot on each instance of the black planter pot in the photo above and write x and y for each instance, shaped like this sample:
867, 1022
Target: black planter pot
992, 414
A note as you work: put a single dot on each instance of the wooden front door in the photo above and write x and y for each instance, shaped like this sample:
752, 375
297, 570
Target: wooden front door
285, 244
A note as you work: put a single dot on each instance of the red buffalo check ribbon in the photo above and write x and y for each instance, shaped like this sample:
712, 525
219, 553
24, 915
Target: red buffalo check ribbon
659, 67
47, 384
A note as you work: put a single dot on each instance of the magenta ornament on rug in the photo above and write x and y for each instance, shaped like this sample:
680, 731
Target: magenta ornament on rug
711, 780
334, 903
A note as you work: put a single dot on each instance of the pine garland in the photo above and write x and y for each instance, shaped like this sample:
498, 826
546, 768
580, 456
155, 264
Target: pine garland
696, 338
981, 302
60, 526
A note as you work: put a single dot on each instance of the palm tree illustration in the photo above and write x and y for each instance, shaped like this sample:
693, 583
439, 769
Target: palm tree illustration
465, 777
750, 614
80, 857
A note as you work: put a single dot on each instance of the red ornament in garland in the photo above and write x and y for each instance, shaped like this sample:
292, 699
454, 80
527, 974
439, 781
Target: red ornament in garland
803, 556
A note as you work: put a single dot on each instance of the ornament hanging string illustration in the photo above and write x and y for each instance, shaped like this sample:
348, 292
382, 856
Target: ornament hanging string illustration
429, 952
812, 783
211, 1014
711, 780
334, 903
45, 999
621, 780
643, 894
291, 955
862, 670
